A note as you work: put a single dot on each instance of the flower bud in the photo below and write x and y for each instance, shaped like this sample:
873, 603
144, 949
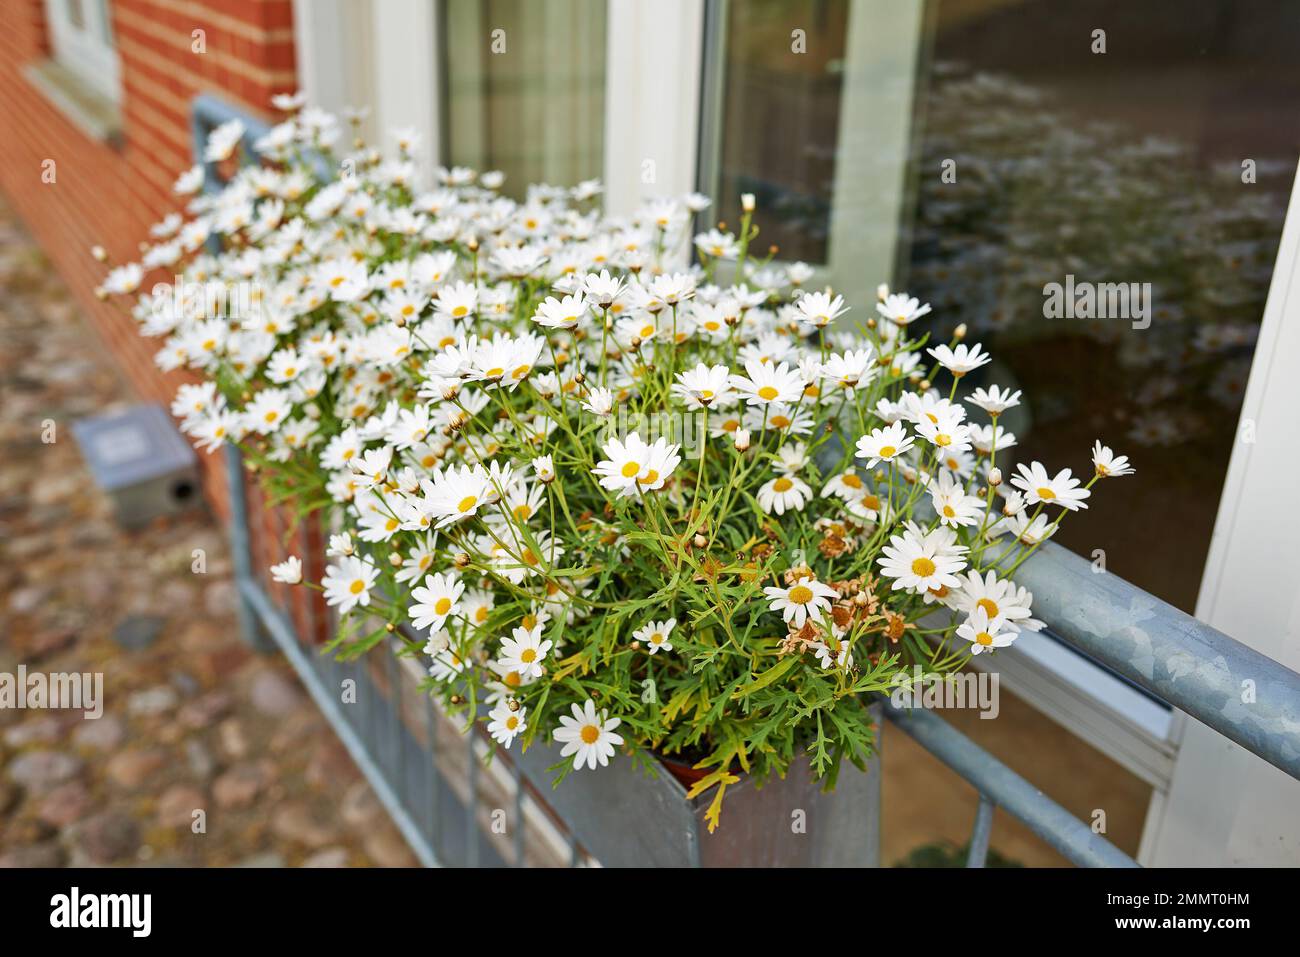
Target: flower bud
995, 477
960, 332
742, 440
747, 202
100, 254
882, 291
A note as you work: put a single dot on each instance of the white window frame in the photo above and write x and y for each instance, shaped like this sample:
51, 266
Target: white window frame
1223, 804
88, 52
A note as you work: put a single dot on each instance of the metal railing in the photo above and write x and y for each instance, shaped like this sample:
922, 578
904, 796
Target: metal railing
1238, 692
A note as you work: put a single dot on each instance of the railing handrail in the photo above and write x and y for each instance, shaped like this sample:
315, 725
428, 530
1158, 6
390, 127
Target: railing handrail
1000, 786
1247, 697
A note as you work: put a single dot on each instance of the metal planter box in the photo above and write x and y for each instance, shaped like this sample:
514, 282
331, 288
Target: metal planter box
625, 818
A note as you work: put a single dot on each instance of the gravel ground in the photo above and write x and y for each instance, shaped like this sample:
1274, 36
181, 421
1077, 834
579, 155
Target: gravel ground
192, 720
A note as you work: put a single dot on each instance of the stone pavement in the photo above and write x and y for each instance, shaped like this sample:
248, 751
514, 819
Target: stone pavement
193, 721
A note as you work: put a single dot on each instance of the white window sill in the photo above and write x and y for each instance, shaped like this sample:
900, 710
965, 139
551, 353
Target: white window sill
93, 113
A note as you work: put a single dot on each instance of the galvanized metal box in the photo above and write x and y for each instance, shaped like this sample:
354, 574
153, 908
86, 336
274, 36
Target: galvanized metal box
625, 818
141, 461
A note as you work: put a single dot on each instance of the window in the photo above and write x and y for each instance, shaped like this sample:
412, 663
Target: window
1013, 154
525, 89
81, 35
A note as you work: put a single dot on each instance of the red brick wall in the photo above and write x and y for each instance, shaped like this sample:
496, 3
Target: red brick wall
110, 195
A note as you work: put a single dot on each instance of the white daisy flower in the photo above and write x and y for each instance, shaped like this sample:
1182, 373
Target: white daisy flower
340, 546
446, 665
902, 309
1000, 598
504, 724
599, 402
1108, 464
961, 359
348, 583
545, 469
994, 400
919, 562
806, 598
785, 492
704, 386
561, 313
846, 486
768, 382
435, 600
945, 431
951, 503
524, 652
1060, 489
884, 444
655, 634
819, 310
288, 572
632, 467
840, 657
588, 736
458, 493
984, 633
850, 369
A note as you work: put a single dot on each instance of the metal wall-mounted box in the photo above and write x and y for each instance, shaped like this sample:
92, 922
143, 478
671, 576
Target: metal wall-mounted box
141, 461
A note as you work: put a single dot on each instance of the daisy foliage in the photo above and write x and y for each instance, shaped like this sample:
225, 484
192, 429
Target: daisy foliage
623, 489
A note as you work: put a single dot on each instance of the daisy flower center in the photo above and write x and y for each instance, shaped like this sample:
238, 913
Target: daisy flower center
942, 439
989, 605
357, 587
782, 485
1046, 494
631, 469
468, 502
780, 422
768, 392
443, 606
800, 594
528, 656
657, 638
984, 638
590, 733
650, 478
923, 567
852, 481
512, 722
887, 450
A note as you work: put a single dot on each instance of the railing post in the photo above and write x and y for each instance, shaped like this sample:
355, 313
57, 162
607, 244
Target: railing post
250, 627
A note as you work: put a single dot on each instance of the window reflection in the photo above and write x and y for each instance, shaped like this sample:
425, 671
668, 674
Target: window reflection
1074, 167
1066, 166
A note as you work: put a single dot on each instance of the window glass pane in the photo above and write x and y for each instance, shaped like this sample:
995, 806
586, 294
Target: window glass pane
525, 88
781, 89
1065, 166
1082, 168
